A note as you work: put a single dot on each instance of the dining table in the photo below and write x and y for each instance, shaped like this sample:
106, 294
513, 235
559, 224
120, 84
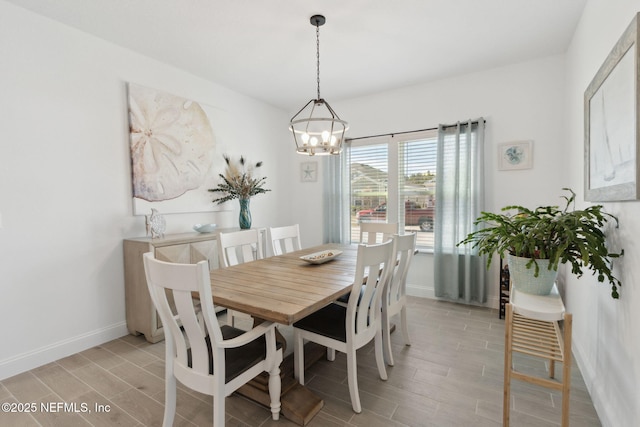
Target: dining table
284, 289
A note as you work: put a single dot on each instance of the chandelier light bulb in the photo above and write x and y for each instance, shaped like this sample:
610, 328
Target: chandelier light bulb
314, 141
305, 138
325, 136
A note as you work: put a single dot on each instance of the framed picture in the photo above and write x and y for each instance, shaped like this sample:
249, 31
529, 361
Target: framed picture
515, 155
172, 144
309, 171
610, 124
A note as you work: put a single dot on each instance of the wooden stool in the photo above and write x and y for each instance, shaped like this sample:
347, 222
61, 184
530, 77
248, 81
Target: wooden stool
531, 327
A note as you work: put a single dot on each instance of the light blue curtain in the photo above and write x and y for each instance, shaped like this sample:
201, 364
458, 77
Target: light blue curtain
459, 271
336, 199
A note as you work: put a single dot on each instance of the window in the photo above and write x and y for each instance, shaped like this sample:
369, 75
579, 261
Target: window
392, 179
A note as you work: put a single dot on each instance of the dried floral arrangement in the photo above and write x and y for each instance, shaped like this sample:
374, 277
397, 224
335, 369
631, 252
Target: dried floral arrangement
238, 180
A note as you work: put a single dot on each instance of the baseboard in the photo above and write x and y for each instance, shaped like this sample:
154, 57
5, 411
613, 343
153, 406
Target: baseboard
596, 390
420, 291
52, 352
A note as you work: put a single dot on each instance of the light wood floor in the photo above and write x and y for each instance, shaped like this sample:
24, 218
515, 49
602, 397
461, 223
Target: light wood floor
450, 376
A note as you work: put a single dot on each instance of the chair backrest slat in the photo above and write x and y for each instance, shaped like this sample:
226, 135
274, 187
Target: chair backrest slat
193, 331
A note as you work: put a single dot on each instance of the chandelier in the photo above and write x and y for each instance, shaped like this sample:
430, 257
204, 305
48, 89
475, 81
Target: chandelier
316, 128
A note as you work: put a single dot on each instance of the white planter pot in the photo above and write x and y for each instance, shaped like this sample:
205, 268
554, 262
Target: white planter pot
523, 278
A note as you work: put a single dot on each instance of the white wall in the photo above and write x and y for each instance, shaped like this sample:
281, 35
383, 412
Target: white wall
606, 339
65, 188
520, 102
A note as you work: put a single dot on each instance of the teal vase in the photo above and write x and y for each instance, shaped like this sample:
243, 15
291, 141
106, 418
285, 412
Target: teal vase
245, 214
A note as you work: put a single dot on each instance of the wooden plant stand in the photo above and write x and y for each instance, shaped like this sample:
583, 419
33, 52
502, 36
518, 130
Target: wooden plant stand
531, 328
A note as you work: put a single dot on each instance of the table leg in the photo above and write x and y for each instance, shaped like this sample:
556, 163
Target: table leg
299, 404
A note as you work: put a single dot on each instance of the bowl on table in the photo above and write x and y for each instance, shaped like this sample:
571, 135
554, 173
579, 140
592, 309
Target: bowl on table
204, 228
321, 257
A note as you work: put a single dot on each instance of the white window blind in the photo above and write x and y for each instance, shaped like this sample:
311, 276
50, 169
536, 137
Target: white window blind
393, 180
369, 178
417, 183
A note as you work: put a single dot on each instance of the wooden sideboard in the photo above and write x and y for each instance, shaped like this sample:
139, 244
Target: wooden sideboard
185, 248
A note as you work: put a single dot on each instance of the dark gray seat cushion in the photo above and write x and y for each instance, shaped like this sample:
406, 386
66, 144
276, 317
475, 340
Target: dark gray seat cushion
328, 321
240, 359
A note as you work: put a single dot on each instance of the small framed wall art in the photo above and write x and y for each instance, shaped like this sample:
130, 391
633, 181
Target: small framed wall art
515, 155
309, 171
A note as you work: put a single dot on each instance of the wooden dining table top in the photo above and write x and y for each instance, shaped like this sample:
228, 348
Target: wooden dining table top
285, 288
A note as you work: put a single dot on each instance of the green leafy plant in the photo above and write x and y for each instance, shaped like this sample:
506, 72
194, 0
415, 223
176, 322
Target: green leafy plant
238, 181
548, 232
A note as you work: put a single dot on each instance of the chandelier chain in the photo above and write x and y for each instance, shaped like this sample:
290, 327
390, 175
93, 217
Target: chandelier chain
318, 56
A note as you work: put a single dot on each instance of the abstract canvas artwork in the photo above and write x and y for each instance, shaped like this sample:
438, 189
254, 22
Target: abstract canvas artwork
172, 152
611, 139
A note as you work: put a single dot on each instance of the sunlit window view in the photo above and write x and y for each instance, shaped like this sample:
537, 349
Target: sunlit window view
394, 182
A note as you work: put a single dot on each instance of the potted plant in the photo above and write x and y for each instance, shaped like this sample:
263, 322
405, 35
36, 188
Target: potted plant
541, 239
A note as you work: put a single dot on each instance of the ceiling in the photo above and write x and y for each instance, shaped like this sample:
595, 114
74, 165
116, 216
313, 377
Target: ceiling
267, 49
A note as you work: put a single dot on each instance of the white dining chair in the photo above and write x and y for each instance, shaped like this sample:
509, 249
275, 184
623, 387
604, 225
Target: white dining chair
204, 356
394, 298
372, 233
285, 239
235, 248
377, 232
347, 329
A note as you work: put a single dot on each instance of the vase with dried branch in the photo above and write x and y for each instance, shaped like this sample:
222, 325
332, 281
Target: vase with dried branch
239, 182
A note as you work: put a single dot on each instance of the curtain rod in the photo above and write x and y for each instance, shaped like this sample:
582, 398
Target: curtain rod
405, 132
390, 134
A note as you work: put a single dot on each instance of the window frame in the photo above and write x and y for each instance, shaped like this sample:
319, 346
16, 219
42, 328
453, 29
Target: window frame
394, 194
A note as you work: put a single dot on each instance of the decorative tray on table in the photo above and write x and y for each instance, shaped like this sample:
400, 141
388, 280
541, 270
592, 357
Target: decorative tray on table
321, 257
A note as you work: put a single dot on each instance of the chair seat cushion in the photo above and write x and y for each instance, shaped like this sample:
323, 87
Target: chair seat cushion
328, 321
239, 359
